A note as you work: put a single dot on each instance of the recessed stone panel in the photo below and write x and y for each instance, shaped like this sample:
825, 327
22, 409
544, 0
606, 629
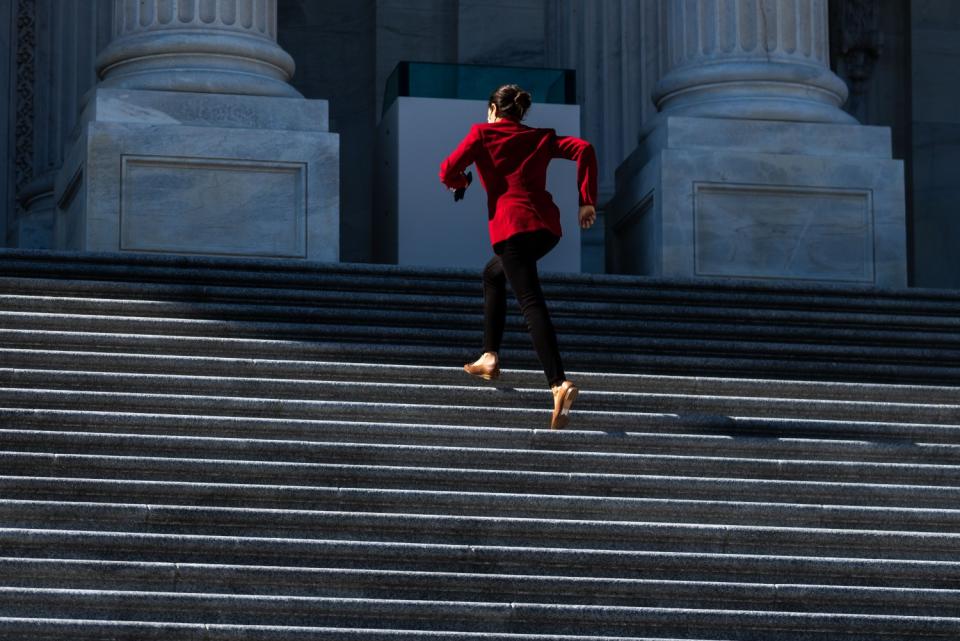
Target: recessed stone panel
754, 230
213, 206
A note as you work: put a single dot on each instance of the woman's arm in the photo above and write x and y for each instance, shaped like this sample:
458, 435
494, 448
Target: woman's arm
573, 148
451, 169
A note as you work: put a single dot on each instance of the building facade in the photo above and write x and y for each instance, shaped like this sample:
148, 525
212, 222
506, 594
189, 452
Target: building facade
895, 59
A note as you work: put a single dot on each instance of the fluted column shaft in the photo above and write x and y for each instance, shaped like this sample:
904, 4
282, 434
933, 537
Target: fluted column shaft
609, 43
211, 46
57, 44
764, 59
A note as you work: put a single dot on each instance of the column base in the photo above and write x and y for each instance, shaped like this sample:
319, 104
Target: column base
33, 227
709, 198
195, 173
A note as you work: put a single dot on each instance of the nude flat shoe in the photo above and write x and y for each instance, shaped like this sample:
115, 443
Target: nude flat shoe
482, 371
563, 397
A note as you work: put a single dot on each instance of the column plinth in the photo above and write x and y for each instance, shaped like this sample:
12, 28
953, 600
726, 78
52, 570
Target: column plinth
194, 142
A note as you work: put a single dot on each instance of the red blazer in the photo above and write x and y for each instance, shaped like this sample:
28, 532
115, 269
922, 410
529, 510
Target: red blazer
512, 161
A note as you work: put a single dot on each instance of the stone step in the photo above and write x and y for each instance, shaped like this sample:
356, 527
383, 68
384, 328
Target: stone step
788, 440
231, 413
170, 365
438, 413
199, 318
580, 335
656, 355
218, 271
485, 504
481, 616
431, 528
19, 628
479, 457
930, 483
312, 305
452, 586
542, 558
457, 391
270, 481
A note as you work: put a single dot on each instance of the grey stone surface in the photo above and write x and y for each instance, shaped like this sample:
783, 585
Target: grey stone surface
936, 142
400, 555
663, 402
489, 503
223, 495
813, 331
702, 478
144, 107
285, 370
126, 631
454, 529
334, 44
761, 210
418, 30
501, 32
936, 54
35, 229
168, 577
197, 187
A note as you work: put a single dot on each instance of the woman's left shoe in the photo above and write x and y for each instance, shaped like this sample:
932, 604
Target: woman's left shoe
485, 372
564, 395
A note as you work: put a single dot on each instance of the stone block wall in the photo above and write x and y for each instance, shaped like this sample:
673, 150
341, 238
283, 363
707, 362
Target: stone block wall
935, 132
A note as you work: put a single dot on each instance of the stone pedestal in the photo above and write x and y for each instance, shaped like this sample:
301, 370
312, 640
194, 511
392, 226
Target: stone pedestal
194, 173
751, 169
194, 143
740, 198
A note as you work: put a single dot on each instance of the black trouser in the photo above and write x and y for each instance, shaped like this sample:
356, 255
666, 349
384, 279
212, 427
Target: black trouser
516, 261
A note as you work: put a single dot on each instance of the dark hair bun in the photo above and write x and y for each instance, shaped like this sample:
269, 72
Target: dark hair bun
523, 100
511, 101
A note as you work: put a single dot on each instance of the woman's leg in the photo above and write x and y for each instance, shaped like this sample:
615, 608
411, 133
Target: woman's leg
519, 261
494, 305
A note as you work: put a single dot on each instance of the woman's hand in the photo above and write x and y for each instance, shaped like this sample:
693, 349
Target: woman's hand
588, 216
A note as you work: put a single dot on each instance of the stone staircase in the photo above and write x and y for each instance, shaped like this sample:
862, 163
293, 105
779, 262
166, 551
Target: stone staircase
216, 449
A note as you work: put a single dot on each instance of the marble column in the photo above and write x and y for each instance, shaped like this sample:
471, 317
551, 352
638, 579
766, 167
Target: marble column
757, 59
194, 142
612, 45
210, 46
57, 43
750, 168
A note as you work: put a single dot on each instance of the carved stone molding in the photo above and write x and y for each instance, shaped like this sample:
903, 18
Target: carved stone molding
858, 40
26, 21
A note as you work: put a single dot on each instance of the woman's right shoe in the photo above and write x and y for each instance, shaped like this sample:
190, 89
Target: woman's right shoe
563, 397
486, 372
